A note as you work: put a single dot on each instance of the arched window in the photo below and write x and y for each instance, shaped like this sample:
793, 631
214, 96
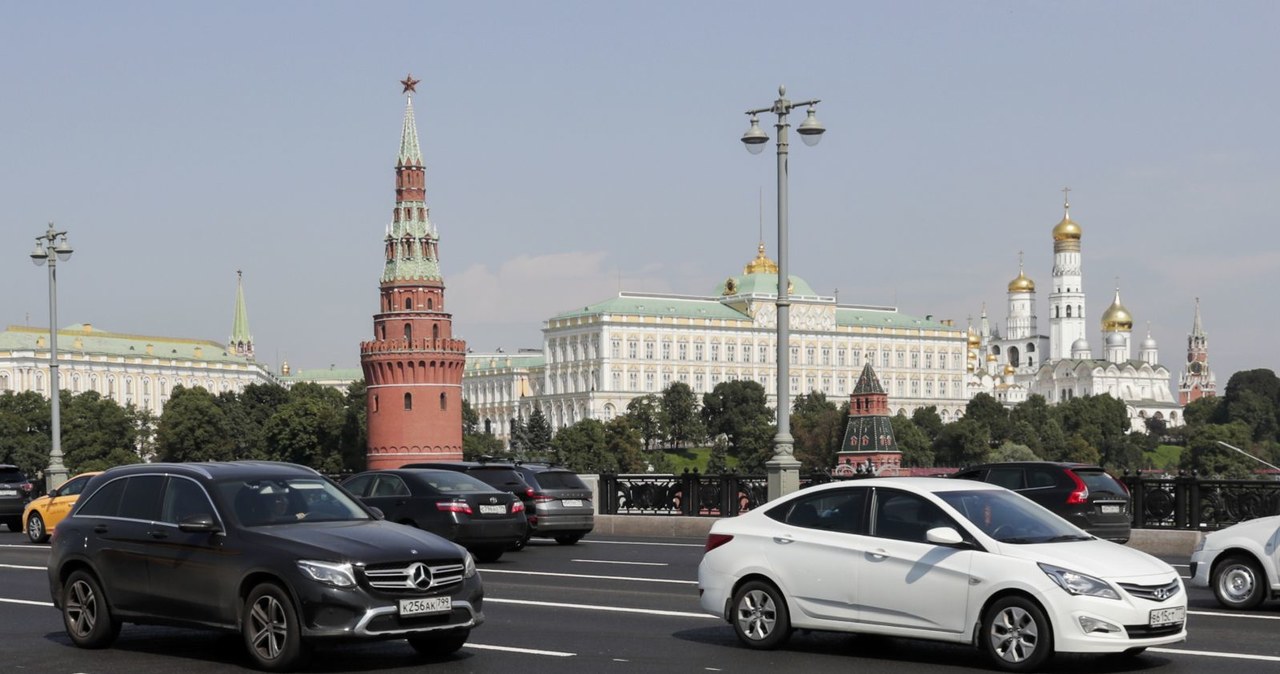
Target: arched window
435, 332
408, 401
375, 403
431, 304
382, 329
408, 332
488, 426
444, 402
408, 304
1079, 310
1068, 311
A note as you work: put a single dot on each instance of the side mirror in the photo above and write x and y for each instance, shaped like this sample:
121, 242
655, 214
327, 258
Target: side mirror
53, 493
201, 523
944, 536
377, 513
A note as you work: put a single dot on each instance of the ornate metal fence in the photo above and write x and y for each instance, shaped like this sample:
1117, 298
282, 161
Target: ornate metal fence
689, 494
1190, 502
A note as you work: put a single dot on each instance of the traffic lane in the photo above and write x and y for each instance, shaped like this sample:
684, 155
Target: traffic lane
651, 554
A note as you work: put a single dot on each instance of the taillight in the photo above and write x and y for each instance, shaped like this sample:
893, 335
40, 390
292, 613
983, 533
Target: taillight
518, 506
26, 486
716, 540
541, 498
455, 506
528, 491
1081, 494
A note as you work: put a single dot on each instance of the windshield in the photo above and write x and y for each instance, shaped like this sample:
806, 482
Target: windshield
1010, 518
283, 501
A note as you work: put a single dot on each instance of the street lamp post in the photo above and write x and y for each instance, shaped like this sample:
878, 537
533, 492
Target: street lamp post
52, 247
783, 469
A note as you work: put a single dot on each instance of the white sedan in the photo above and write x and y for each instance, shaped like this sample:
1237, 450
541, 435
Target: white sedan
1241, 563
931, 558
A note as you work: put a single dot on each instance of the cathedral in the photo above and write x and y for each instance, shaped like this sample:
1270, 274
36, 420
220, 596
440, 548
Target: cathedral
1020, 361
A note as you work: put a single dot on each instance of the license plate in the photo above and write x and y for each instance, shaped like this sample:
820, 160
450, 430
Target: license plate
572, 503
1167, 616
425, 606
1110, 510
493, 510
8, 492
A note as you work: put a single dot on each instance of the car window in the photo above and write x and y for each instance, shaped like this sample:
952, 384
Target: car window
559, 479
969, 475
505, 479
841, 510
103, 502
1098, 481
905, 516
141, 500
11, 475
1042, 476
182, 499
389, 485
1010, 518
73, 487
447, 482
288, 501
359, 485
1009, 477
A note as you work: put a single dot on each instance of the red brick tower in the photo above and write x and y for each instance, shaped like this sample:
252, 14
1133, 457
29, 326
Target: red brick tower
413, 365
869, 447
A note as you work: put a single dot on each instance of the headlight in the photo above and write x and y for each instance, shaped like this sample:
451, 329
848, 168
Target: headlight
329, 573
1078, 583
468, 565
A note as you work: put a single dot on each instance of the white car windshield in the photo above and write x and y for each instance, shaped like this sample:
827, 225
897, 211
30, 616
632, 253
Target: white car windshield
284, 501
1010, 518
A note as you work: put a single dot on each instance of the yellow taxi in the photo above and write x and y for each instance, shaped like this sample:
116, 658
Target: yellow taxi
43, 514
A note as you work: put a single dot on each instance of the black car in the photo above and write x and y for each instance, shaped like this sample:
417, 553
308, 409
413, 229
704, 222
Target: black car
1084, 495
499, 475
562, 505
454, 505
273, 551
15, 491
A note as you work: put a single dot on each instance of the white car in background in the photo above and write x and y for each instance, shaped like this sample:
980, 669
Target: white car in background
1240, 563
945, 560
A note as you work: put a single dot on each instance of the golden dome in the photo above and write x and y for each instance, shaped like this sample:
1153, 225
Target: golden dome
1022, 284
1009, 369
1067, 229
991, 357
762, 264
1117, 318
974, 339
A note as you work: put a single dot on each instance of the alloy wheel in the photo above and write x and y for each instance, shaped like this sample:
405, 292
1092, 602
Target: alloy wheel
757, 614
1014, 635
82, 609
269, 627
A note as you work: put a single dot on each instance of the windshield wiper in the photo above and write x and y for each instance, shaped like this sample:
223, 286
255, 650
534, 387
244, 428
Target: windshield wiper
1069, 537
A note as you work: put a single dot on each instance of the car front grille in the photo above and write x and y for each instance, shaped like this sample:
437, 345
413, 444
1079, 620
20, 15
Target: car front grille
1162, 592
1146, 632
413, 576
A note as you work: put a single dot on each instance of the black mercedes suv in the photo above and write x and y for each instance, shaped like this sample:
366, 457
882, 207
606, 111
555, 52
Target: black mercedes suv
274, 551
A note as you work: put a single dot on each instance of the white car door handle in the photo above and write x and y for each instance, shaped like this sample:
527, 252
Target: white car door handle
783, 539
878, 553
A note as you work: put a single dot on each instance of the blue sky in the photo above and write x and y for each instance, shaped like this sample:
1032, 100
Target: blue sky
573, 148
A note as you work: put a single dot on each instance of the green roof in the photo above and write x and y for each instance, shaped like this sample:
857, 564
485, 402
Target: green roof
325, 374
504, 361
90, 341
765, 284
657, 305
884, 318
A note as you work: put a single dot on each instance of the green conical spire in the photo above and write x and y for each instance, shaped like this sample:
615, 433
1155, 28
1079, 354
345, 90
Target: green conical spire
241, 342
410, 151
412, 243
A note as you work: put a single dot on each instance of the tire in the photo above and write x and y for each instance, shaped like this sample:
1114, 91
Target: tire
86, 614
1016, 635
1239, 583
488, 554
271, 630
520, 544
15, 523
568, 539
36, 532
760, 617
440, 644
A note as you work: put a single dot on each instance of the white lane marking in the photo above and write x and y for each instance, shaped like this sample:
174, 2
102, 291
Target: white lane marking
24, 568
25, 601
585, 575
512, 649
1215, 654
37, 548
1234, 615
610, 561
669, 545
592, 607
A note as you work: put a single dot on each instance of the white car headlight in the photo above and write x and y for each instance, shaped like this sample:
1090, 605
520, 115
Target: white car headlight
468, 566
1078, 583
329, 573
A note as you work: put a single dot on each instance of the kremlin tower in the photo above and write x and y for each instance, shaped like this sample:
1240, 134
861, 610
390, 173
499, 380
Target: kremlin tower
1198, 380
413, 365
868, 447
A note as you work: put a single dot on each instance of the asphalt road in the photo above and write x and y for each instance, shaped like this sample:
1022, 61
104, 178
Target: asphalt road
607, 604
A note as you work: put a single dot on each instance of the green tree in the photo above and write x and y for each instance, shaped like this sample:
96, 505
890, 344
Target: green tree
583, 448
1255, 411
624, 443
680, 422
193, 427
1012, 451
718, 459
307, 430
818, 426
97, 433
646, 416
916, 446
987, 412
24, 431
519, 438
1053, 441
962, 443
537, 435
1103, 423
1208, 410
476, 443
1206, 457
735, 409
247, 413
354, 442
927, 420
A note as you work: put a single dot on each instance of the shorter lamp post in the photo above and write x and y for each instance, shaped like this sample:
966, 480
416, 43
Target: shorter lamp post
51, 247
783, 469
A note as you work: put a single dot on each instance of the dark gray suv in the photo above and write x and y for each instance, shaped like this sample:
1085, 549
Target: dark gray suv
273, 551
562, 503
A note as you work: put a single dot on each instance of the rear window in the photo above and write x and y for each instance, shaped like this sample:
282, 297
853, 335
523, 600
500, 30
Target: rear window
447, 481
559, 479
1099, 481
505, 479
11, 475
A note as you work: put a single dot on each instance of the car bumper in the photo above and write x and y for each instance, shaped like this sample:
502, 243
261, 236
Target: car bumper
490, 533
1125, 627
1202, 566
556, 523
333, 613
10, 507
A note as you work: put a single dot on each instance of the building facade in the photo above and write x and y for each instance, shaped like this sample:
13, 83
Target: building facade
1197, 380
413, 366
501, 388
